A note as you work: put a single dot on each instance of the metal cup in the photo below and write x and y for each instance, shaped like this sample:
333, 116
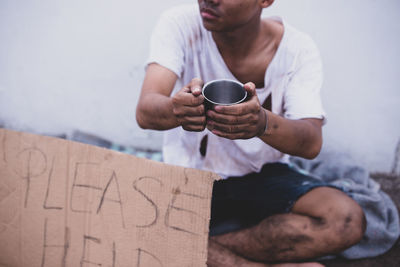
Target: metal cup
223, 92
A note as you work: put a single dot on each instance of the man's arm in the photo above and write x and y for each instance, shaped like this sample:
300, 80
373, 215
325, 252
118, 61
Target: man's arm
301, 138
158, 111
246, 120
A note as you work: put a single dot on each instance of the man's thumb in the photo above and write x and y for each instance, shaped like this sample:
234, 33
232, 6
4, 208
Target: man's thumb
250, 89
195, 86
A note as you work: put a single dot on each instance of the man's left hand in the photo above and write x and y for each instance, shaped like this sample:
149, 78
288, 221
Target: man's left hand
240, 121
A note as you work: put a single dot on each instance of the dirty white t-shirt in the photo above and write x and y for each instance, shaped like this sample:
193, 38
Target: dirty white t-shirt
294, 77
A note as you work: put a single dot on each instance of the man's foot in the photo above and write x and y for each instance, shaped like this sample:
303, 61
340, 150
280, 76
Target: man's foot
305, 264
219, 256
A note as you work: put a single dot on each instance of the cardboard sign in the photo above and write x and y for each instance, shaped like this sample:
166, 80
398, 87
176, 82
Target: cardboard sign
69, 204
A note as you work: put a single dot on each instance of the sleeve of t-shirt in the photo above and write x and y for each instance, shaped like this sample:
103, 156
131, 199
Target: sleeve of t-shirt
167, 42
302, 97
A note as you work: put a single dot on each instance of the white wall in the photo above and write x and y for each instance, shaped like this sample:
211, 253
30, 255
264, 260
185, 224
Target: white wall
359, 42
78, 64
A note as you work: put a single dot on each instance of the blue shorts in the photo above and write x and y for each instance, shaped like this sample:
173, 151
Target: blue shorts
241, 202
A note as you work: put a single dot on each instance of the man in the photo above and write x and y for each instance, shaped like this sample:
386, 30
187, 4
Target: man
264, 211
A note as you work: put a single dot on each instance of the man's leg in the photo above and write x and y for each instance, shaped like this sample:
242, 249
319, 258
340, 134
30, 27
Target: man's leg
219, 256
323, 221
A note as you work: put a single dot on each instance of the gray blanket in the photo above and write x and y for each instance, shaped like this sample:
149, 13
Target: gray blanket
381, 213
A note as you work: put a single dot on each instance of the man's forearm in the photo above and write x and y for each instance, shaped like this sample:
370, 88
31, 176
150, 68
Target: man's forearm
154, 111
301, 138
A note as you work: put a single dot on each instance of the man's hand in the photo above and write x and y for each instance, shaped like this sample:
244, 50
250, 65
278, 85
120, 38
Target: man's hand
241, 121
188, 106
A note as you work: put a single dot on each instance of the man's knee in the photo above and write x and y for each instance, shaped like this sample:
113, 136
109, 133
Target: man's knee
349, 220
343, 218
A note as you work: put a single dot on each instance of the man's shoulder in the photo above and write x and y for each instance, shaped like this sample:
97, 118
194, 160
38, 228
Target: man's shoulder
297, 40
294, 41
181, 19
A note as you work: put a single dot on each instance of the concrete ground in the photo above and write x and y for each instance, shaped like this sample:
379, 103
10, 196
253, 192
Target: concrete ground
391, 185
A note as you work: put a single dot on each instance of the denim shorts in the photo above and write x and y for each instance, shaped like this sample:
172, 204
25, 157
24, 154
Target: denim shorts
241, 202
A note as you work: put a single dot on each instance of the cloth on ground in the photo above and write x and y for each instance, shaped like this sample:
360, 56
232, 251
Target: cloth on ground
381, 213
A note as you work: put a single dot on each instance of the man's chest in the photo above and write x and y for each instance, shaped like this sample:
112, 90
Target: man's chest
250, 69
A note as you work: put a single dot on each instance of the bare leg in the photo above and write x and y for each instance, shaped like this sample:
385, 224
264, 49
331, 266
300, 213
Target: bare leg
324, 221
219, 256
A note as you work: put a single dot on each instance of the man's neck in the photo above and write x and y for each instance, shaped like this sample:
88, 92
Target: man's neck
243, 40
247, 52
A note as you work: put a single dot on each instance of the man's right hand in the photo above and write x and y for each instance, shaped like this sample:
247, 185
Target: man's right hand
188, 106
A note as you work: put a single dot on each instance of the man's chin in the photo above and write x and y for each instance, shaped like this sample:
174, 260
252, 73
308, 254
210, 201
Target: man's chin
212, 27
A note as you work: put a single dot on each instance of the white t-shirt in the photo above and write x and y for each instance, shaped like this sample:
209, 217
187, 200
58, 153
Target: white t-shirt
294, 77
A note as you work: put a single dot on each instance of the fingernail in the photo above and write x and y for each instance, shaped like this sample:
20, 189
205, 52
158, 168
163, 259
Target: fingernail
215, 132
196, 89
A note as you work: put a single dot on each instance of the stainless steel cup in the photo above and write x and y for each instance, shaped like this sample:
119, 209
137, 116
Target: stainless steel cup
223, 92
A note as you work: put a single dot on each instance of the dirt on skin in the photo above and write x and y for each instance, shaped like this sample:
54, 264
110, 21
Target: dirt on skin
390, 184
